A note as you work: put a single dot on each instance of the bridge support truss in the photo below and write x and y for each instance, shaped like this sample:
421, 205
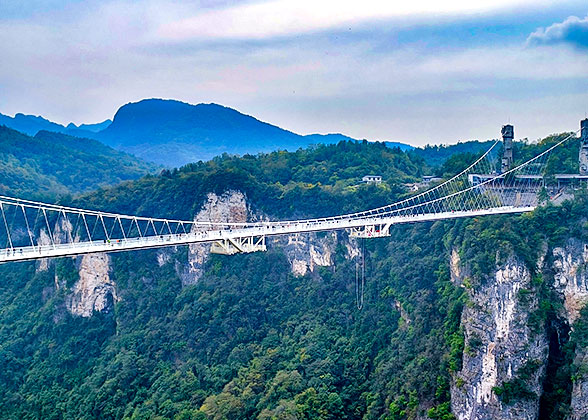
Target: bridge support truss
232, 246
371, 231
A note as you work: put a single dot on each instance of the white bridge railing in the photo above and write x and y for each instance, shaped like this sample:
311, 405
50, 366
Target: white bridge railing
261, 231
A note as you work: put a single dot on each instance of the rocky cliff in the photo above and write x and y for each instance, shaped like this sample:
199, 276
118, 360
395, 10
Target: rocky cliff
570, 280
501, 348
231, 206
95, 289
305, 251
508, 347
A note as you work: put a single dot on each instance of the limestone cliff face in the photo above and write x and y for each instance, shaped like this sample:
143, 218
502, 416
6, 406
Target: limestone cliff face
500, 343
571, 282
571, 278
231, 206
305, 251
43, 265
95, 290
500, 346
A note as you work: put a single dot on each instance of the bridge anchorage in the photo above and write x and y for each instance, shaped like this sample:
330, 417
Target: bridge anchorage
490, 185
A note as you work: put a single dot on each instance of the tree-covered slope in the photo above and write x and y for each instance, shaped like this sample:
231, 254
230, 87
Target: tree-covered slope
51, 164
250, 340
319, 181
436, 155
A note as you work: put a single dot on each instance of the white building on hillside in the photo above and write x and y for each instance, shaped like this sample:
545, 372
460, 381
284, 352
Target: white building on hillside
372, 179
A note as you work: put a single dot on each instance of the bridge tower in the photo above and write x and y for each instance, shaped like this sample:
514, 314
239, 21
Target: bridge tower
507, 137
584, 147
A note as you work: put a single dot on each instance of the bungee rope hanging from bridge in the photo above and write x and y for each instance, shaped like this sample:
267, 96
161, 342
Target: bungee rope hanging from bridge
33, 230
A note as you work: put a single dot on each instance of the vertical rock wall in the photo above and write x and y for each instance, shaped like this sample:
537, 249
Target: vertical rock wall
501, 349
305, 251
570, 264
231, 206
502, 346
95, 290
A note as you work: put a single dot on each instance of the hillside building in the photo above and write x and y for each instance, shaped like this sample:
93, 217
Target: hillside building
372, 179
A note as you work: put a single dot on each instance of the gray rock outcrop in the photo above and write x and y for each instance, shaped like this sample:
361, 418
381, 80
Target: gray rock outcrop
500, 347
230, 206
571, 282
95, 290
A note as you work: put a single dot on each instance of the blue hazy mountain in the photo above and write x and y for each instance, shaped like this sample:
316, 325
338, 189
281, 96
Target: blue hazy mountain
32, 124
174, 133
87, 128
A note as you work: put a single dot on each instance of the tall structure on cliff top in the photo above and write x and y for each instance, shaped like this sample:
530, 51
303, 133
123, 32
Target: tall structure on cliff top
507, 137
584, 147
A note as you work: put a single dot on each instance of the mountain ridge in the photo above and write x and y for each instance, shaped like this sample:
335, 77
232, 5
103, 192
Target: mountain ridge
174, 133
50, 164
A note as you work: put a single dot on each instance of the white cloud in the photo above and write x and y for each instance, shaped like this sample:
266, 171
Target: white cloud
572, 31
84, 63
287, 17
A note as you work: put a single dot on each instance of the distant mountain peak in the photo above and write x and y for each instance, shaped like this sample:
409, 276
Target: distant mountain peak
173, 133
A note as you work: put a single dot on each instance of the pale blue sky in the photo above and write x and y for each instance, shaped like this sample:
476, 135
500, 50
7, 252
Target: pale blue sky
418, 73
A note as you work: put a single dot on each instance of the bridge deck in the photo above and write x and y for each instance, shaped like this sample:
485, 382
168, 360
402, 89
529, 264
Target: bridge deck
262, 229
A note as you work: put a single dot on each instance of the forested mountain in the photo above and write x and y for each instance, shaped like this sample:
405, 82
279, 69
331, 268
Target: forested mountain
85, 130
248, 338
174, 133
335, 138
436, 155
29, 124
301, 333
51, 164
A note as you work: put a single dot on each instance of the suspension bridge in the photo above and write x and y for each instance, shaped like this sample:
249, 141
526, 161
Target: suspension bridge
33, 230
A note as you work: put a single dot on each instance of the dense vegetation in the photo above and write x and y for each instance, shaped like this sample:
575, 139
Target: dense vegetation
318, 181
51, 164
250, 340
436, 155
